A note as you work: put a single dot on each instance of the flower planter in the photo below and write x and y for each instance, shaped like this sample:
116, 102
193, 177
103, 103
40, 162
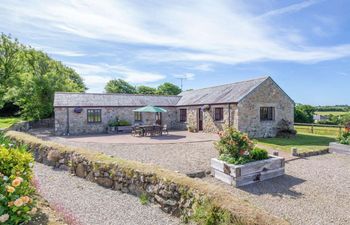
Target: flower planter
240, 175
124, 129
339, 148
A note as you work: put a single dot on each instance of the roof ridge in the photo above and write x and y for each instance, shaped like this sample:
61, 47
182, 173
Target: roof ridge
87, 93
243, 81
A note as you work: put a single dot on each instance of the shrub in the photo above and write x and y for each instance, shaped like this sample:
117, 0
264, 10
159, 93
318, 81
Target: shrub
259, 154
344, 138
123, 123
235, 147
285, 130
234, 143
16, 191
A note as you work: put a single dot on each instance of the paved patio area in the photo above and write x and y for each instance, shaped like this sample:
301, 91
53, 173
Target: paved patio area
126, 138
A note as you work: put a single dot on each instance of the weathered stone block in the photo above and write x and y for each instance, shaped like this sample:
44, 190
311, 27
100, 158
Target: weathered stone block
105, 182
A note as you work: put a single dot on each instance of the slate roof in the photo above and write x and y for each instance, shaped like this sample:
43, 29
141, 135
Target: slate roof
99, 100
228, 93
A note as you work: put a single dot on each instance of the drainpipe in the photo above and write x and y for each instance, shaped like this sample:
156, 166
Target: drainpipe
67, 130
229, 114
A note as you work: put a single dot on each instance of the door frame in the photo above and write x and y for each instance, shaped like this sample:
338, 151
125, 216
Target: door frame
200, 119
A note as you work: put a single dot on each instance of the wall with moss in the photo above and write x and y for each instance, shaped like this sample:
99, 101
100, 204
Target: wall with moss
177, 194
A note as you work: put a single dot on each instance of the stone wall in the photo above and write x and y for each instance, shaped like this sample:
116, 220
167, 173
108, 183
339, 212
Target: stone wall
173, 192
78, 121
209, 124
268, 94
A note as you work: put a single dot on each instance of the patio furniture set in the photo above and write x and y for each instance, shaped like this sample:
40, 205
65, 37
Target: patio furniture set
149, 130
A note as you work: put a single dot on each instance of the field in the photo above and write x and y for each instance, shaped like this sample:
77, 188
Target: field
320, 130
326, 113
304, 142
6, 122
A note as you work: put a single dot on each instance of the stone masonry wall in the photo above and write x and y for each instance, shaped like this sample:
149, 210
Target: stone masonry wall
209, 124
78, 121
268, 94
175, 193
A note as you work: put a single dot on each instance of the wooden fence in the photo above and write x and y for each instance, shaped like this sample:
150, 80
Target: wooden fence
321, 129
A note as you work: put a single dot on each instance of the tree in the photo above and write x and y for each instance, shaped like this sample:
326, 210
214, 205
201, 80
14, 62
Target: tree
168, 89
304, 113
29, 79
42, 78
146, 90
10, 66
120, 86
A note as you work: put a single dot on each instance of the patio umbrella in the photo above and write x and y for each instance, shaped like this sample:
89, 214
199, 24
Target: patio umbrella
150, 108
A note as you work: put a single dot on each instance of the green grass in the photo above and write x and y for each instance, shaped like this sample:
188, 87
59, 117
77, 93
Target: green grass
326, 113
304, 142
6, 122
324, 131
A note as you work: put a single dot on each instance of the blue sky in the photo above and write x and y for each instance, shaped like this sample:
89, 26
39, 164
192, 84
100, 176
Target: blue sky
303, 45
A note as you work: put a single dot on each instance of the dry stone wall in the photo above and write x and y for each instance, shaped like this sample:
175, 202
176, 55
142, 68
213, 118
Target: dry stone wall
174, 193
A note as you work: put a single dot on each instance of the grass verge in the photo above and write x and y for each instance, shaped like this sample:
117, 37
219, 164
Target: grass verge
324, 131
6, 122
304, 142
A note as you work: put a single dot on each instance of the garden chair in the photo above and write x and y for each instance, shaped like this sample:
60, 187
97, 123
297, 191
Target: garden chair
165, 129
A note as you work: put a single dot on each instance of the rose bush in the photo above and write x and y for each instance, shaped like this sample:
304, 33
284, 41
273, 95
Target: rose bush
235, 147
16, 191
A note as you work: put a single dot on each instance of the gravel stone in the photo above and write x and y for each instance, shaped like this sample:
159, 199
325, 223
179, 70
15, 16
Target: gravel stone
314, 190
89, 204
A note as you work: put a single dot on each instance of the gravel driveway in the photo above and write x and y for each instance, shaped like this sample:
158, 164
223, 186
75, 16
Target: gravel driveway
315, 190
86, 203
181, 157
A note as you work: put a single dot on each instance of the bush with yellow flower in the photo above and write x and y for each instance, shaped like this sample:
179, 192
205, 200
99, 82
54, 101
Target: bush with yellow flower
16, 190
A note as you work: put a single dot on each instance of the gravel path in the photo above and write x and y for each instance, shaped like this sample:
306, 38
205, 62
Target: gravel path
89, 204
315, 190
193, 156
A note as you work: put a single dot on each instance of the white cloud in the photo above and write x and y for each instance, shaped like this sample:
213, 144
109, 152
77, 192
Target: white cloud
203, 67
288, 9
97, 75
204, 30
186, 76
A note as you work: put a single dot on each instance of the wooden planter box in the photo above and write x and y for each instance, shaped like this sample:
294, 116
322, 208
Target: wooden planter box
240, 175
339, 148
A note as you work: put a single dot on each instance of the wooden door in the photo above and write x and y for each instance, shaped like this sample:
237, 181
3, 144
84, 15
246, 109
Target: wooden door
159, 118
200, 119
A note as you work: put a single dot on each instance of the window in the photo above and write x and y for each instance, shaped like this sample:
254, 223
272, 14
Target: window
183, 115
94, 116
138, 116
219, 114
267, 113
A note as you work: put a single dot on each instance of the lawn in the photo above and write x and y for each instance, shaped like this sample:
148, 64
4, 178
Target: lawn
6, 122
326, 113
304, 142
325, 131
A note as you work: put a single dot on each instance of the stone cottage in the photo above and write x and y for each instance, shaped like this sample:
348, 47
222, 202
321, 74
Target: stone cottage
253, 106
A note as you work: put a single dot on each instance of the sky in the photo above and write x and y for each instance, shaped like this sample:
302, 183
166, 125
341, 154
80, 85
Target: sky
303, 45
